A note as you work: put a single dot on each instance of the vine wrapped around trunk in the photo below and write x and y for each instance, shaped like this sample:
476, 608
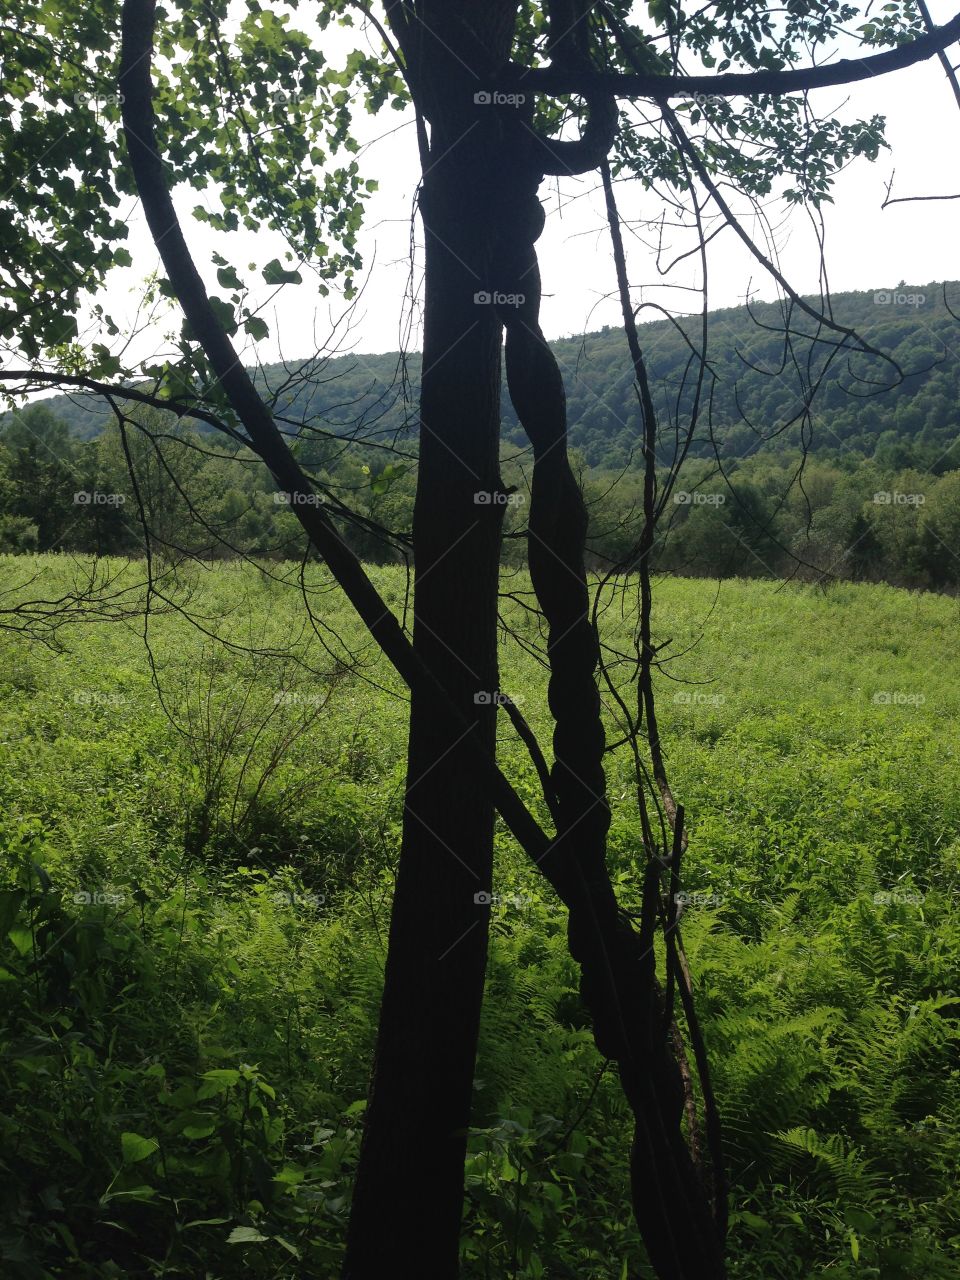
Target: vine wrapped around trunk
619, 983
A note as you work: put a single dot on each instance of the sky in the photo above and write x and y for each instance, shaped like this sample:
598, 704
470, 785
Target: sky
867, 247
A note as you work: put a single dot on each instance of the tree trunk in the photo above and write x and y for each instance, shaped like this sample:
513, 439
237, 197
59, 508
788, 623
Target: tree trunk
408, 1195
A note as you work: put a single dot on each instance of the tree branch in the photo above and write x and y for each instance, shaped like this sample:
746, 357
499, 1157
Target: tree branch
560, 80
136, 88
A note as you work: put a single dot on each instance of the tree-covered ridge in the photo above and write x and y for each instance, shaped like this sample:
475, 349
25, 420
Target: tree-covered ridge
904, 409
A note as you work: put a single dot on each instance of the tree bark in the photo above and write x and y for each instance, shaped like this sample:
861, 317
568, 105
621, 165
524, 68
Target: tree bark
408, 1195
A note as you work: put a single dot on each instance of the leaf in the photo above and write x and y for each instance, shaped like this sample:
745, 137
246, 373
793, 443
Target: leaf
228, 278
198, 1130
224, 313
61, 1142
22, 939
224, 1075
10, 900
135, 1147
275, 273
753, 1220
246, 1235
258, 329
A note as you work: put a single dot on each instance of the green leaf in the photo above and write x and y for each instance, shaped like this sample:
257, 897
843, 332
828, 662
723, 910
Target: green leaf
228, 278
22, 939
258, 329
10, 900
246, 1235
198, 1130
275, 273
135, 1147
225, 314
225, 1075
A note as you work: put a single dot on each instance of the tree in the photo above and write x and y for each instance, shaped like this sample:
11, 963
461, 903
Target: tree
38, 465
487, 81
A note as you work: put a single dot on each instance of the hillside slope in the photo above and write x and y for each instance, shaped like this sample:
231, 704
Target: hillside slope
754, 388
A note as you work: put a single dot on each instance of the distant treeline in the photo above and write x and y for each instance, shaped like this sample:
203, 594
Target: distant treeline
903, 410
764, 516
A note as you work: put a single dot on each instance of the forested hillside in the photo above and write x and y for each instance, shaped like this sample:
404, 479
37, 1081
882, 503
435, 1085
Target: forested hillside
906, 408
878, 497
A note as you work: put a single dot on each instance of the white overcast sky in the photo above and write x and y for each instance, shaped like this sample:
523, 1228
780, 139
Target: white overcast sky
866, 247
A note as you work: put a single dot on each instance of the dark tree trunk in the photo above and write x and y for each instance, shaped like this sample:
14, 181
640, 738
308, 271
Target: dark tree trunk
408, 1196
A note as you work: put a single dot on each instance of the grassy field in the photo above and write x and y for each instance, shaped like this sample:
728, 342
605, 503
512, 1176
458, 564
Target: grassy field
196, 854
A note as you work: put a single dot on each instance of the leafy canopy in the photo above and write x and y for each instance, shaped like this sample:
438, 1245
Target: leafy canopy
256, 119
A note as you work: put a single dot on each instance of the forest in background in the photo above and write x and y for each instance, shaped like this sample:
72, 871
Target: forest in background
878, 497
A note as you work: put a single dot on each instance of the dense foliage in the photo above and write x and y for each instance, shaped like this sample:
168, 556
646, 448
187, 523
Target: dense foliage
864, 518
903, 410
194, 922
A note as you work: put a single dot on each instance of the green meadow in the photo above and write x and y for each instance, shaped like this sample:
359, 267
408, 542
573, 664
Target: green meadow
199, 825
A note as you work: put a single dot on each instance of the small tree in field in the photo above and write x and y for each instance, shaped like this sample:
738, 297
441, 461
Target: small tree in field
247, 106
